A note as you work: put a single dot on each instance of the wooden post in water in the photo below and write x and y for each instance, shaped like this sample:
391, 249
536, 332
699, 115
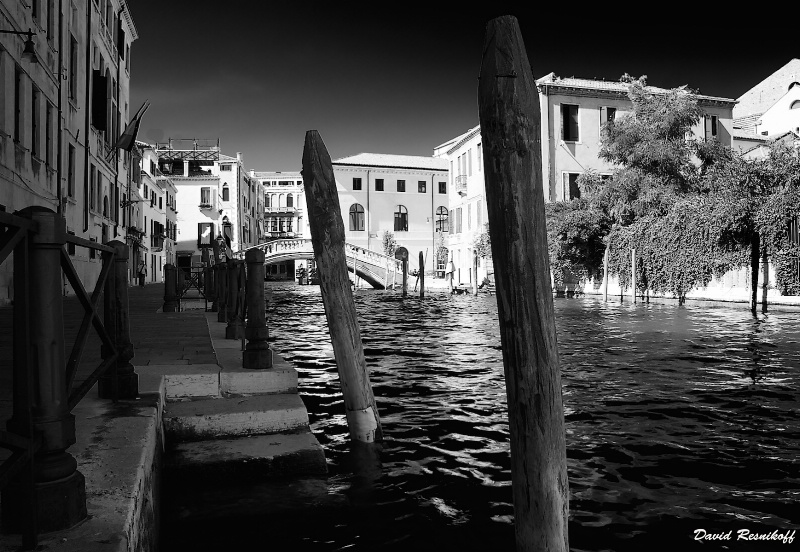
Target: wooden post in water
633, 274
421, 276
475, 272
508, 106
765, 283
355, 281
605, 274
405, 277
170, 289
327, 237
257, 354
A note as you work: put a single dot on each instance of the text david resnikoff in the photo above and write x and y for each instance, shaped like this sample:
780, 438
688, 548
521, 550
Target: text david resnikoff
746, 535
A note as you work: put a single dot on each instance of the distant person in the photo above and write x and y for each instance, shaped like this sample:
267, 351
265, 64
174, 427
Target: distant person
142, 273
449, 274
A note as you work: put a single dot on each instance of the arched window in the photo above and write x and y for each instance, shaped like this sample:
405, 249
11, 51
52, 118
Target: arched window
290, 200
282, 200
266, 201
401, 219
442, 220
356, 217
795, 105
274, 201
795, 83
226, 192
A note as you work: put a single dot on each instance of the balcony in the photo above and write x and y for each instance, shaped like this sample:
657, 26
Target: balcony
273, 210
461, 184
204, 206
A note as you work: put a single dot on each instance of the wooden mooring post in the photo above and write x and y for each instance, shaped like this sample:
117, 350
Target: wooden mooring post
171, 296
222, 291
421, 276
633, 274
234, 302
510, 124
605, 274
257, 354
327, 237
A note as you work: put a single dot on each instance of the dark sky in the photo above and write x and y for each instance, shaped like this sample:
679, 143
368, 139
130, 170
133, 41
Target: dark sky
393, 77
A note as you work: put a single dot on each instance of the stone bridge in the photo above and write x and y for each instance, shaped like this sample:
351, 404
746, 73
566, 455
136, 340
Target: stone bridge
372, 267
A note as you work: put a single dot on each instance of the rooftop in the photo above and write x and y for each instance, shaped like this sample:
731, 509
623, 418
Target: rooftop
389, 160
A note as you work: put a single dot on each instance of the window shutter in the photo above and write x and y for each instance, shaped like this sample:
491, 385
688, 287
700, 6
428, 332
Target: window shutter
99, 100
120, 39
603, 115
707, 120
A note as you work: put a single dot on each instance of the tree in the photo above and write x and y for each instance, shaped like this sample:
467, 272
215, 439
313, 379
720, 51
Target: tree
482, 244
389, 244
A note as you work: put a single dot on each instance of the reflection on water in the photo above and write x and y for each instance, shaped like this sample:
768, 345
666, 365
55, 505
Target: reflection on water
676, 419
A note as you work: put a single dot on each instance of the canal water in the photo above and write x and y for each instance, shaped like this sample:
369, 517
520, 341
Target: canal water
677, 419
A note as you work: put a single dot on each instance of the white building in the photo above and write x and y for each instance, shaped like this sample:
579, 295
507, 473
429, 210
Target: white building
400, 194
466, 219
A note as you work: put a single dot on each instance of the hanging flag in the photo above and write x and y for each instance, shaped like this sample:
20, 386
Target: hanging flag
128, 138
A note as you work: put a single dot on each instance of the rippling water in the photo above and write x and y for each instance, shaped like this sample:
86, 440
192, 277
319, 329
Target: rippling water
677, 418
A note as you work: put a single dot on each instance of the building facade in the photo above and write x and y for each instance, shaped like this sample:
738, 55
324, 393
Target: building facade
214, 196
399, 194
464, 220
61, 112
284, 207
573, 111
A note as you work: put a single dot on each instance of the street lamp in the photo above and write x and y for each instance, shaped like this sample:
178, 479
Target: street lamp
29, 51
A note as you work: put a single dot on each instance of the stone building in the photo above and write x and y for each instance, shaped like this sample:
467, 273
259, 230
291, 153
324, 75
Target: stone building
215, 196
400, 194
65, 101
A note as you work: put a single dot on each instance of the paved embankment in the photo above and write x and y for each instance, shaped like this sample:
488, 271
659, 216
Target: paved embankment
184, 382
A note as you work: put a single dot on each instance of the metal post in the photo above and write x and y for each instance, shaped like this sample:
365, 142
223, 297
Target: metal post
222, 291
257, 355
170, 291
209, 288
117, 321
235, 327
60, 489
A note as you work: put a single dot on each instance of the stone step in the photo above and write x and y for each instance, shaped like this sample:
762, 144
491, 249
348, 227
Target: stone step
183, 381
219, 418
247, 459
281, 378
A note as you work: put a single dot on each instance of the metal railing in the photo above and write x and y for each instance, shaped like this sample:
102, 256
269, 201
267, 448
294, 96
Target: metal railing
40, 475
461, 184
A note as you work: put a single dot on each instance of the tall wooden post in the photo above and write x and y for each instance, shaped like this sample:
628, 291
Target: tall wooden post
755, 251
475, 272
327, 237
605, 274
633, 274
209, 288
405, 277
257, 354
421, 276
510, 123
355, 278
170, 289
117, 320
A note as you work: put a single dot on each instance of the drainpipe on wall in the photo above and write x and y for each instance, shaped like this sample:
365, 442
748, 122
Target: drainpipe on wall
369, 218
59, 171
88, 114
116, 150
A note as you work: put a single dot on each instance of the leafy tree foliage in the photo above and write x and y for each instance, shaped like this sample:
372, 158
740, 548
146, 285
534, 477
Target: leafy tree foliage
482, 243
389, 243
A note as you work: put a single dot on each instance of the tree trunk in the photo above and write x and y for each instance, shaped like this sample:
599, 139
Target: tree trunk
327, 237
765, 284
510, 124
605, 274
633, 274
755, 247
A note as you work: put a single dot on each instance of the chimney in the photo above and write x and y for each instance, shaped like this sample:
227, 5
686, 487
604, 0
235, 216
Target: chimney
239, 156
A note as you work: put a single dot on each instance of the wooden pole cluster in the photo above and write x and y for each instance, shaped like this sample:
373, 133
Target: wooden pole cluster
327, 237
510, 125
234, 301
222, 291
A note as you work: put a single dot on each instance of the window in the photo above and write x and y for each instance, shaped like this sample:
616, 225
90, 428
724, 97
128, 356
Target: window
469, 216
480, 158
160, 202
290, 200
274, 225
225, 167
421, 186
205, 234
442, 187
401, 217
458, 220
401, 185
18, 105
73, 68
71, 170
469, 162
35, 121
379, 184
205, 196
607, 115
226, 193
571, 190
356, 184
356, 217
442, 220
451, 227
569, 123
795, 105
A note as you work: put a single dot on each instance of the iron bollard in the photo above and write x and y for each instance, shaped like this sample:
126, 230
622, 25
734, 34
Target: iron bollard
235, 327
116, 319
59, 488
257, 355
210, 287
170, 288
222, 291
